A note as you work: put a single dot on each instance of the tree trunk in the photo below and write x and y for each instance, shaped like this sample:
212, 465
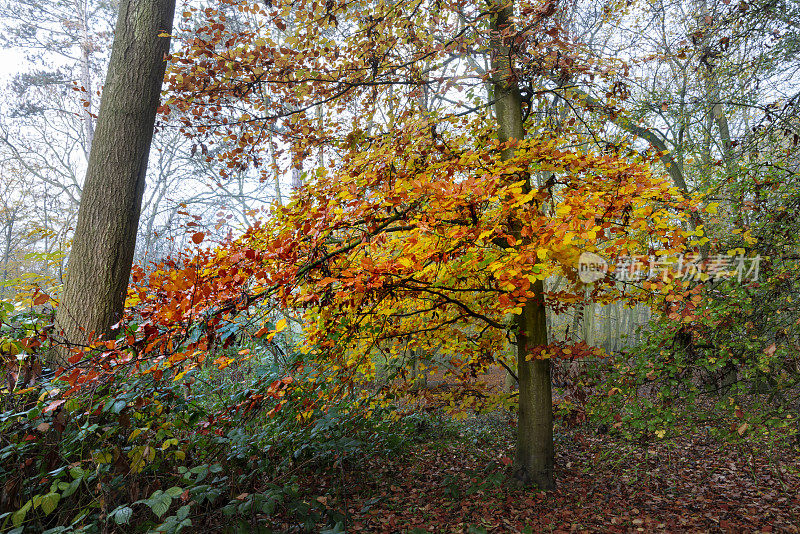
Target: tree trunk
534, 458
86, 77
533, 462
7, 250
105, 236
587, 328
511, 360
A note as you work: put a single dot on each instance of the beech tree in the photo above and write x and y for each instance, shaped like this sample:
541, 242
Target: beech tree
534, 453
102, 251
434, 217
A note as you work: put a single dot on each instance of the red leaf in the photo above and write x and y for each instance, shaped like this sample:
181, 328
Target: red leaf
41, 299
198, 237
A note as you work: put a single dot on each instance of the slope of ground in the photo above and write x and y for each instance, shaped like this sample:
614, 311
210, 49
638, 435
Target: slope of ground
454, 480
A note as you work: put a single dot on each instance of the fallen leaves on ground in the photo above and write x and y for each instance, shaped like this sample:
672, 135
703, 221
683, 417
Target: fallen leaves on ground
605, 484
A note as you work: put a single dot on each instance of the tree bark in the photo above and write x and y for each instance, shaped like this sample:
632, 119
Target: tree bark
535, 455
534, 458
100, 260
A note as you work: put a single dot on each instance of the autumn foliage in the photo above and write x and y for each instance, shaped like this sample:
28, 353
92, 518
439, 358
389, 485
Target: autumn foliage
407, 255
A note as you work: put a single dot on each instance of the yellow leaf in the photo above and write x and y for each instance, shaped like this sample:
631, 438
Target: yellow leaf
103, 457
661, 433
280, 325
712, 208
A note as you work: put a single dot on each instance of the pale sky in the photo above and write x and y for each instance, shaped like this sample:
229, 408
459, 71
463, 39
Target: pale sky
10, 63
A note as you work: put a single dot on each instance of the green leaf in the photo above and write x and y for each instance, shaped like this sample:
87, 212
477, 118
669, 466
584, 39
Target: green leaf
50, 502
73, 486
174, 491
19, 516
183, 512
122, 515
159, 503
338, 528
76, 472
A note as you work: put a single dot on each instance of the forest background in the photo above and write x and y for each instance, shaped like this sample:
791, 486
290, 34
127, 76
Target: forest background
364, 237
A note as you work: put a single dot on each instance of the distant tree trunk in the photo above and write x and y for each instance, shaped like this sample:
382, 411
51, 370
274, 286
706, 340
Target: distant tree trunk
577, 320
100, 260
608, 329
9, 231
297, 171
86, 76
533, 462
276, 169
588, 323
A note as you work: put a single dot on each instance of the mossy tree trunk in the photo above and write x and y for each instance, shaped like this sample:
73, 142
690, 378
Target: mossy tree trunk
533, 462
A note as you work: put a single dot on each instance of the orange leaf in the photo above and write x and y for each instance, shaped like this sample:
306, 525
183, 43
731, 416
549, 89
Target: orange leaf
198, 237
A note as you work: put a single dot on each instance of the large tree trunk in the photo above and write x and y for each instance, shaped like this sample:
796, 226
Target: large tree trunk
534, 458
533, 462
100, 260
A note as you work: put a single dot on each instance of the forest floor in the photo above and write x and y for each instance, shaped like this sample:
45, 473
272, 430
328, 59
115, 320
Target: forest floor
456, 481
